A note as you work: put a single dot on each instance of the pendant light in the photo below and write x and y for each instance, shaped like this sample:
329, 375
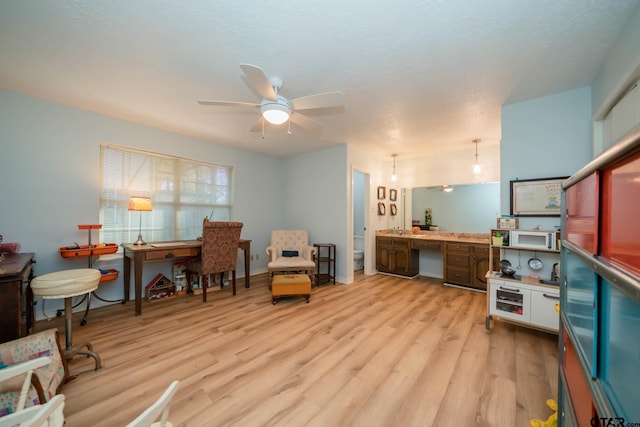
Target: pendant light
477, 167
394, 178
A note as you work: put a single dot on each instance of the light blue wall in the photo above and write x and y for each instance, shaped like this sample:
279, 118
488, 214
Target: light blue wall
50, 163
469, 208
315, 191
543, 138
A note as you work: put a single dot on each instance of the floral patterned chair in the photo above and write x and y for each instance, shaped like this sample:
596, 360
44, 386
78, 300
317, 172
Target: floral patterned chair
219, 254
46, 380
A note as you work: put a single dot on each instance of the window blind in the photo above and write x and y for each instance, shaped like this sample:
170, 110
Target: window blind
182, 191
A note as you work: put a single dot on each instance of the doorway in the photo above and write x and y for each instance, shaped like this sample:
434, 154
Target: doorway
360, 188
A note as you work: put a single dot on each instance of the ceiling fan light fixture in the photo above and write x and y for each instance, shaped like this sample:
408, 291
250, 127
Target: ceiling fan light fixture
276, 112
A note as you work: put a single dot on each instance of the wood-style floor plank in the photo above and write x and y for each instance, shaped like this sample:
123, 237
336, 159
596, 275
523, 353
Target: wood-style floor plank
382, 351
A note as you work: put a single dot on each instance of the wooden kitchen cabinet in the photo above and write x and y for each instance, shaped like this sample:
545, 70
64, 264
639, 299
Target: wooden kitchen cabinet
481, 264
466, 264
396, 256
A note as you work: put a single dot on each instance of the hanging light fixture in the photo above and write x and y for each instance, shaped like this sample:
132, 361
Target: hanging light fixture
275, 112
477, 167
394, 178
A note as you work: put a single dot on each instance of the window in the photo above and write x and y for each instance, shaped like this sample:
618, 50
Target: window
182, 191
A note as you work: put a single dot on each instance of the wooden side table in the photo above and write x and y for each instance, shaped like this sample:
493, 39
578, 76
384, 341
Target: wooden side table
325, 262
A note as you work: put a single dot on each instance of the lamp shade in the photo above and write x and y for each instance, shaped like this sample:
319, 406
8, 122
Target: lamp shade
276, 114
140, 203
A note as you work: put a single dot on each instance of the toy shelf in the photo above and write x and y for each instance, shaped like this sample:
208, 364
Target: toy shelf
89, 250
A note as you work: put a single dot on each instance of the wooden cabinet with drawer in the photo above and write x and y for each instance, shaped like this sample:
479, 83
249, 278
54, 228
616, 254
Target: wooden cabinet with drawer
395, 255
466, 264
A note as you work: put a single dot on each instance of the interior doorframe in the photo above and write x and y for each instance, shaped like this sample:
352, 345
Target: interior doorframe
369, 267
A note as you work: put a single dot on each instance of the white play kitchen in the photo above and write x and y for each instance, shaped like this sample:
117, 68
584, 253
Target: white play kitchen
526, 289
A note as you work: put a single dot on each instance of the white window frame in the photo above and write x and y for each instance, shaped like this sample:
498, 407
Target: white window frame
183, 192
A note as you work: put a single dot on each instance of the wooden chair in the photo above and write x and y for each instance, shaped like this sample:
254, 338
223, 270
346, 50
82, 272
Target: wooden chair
219, 254
49, 413
160, 409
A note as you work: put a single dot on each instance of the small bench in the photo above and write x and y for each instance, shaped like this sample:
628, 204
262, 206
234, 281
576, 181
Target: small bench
290, 284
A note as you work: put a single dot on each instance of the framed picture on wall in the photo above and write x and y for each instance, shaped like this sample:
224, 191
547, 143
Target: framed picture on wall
393, 194
393, 209
381, 209
536, 197
382, 193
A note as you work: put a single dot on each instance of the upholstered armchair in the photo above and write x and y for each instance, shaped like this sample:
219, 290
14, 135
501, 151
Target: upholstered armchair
290, 251
219, 254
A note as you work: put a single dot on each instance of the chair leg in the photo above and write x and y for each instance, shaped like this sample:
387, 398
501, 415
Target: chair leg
233, 280
221, 280
204, 286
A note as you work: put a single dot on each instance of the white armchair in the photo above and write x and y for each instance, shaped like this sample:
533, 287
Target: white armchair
290, 251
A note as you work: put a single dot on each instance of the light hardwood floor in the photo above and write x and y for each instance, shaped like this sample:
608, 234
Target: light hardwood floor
382, 351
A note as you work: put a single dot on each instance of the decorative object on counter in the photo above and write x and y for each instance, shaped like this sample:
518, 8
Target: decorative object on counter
497, 239
141, 204
393, 194
427, 217
477, 167
394, 209
434, 228
508, 223
394, 178
536, 197
382, 193
381, 208
415, 229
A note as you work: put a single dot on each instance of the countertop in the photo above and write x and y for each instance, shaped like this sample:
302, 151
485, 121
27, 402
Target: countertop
448, 236
529, 280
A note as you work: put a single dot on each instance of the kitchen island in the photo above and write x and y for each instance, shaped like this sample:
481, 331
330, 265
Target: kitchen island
465, 256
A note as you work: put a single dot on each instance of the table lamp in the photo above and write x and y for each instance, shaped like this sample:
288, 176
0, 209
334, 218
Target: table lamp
141, 204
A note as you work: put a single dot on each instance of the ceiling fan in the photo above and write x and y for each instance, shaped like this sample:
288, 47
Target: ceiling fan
275, 108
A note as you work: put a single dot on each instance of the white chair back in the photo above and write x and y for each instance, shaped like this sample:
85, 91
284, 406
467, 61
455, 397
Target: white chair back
23, 368
48, 415
160, 409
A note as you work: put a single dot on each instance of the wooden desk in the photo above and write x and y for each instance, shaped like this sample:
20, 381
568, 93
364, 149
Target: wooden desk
17, 316
166, 251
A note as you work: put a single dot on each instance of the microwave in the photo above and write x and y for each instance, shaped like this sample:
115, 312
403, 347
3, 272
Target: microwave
534, 239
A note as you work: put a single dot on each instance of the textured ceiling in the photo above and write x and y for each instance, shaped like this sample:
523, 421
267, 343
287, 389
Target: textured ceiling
418, 76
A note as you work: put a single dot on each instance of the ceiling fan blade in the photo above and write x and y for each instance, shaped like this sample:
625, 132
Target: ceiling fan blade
305, 122
320, 100
258, 125
228, 103
256, 78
